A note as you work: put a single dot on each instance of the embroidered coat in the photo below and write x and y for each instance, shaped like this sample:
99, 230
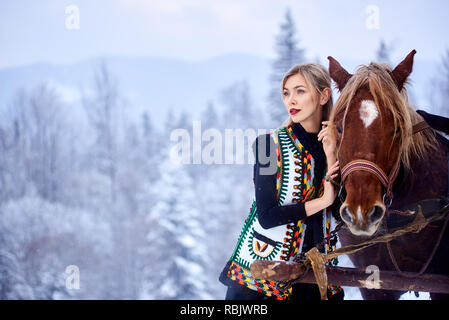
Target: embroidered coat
294, 183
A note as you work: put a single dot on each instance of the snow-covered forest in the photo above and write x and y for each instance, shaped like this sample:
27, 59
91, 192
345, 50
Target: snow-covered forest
105, 197
135, 224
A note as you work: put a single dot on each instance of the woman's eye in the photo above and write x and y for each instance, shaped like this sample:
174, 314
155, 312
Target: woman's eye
300, 91
285, 93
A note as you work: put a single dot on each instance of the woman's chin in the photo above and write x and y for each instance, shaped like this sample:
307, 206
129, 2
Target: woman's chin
296, 118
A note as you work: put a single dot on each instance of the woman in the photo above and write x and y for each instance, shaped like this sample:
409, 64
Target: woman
289, 214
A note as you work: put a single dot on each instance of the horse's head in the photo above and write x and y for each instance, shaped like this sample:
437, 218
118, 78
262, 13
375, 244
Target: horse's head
372, 125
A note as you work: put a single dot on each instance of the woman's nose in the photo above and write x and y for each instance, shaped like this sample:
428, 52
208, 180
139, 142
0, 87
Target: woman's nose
292, 100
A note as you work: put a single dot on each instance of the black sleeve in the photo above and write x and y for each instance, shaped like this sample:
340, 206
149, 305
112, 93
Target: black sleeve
436, 122
270, 214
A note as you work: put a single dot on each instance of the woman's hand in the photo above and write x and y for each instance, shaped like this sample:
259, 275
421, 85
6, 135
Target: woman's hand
316, 205
329, 193
329, 141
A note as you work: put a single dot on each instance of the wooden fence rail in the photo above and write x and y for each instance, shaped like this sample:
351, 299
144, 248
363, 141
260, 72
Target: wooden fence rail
352, 277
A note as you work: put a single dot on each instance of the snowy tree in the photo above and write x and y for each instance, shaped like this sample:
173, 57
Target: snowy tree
224, 192
114, 162
288, 55
440, 92
41, 239
238, 106
225, 200
104, 110
8, 265
383, 52
176, 238
383, 55
59, 197
150, 137
35, 143
210, 117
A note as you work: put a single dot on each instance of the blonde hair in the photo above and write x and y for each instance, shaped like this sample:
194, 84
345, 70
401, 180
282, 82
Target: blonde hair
316, 77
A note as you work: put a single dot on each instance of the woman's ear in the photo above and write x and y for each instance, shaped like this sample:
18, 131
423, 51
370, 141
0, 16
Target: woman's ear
324, 96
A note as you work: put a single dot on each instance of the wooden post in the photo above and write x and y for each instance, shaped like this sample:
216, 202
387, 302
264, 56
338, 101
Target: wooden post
351, 277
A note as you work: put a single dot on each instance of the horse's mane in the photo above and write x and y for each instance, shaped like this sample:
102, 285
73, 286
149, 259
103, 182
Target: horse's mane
382, 87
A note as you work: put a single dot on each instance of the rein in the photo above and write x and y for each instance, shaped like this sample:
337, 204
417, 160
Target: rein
432, 254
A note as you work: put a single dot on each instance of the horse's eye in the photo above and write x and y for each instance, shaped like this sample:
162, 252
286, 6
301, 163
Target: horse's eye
338, 129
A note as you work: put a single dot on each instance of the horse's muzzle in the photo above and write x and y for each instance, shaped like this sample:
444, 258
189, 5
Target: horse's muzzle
362, 224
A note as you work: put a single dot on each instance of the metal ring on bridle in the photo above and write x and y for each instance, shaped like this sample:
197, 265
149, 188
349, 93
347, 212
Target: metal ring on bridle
386, 198
340, 193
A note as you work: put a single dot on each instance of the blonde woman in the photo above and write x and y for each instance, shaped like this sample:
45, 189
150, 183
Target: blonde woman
290, 213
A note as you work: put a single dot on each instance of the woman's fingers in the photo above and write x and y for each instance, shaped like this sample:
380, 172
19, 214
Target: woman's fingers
322, 134
334, 169
331, 173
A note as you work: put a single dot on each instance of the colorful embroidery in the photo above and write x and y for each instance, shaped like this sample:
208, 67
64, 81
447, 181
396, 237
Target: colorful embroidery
263, 249
244, 277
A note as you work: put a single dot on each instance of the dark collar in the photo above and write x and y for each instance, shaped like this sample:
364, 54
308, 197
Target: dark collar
315, 147
308, 140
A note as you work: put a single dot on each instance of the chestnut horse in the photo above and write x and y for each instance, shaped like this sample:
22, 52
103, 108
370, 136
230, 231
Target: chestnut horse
385, 166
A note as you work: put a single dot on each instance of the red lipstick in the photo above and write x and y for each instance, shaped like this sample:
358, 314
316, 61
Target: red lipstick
294, 111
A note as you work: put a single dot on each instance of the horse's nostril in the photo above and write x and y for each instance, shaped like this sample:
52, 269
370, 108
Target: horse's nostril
346, 215
376, 214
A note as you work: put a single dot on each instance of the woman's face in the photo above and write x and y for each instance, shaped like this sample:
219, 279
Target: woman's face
302, 103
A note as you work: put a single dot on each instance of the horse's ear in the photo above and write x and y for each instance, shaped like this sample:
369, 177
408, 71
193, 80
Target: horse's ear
338, 73
403, 70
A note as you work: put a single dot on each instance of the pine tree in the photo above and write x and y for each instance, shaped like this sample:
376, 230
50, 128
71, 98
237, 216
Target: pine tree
209, 117
176, 238
288, 55
238, 105
151, 141
383, 52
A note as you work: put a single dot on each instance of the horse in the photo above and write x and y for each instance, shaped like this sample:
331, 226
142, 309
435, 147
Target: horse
389, 160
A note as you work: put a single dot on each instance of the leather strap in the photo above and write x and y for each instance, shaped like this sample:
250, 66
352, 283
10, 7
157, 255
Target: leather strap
364, 165
420, 126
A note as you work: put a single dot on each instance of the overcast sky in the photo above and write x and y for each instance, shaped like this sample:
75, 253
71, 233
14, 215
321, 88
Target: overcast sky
36, 31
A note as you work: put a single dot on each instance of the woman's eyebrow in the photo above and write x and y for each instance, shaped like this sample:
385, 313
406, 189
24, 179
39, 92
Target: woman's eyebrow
295, 87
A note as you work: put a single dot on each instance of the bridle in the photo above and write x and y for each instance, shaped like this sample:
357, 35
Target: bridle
369, 166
